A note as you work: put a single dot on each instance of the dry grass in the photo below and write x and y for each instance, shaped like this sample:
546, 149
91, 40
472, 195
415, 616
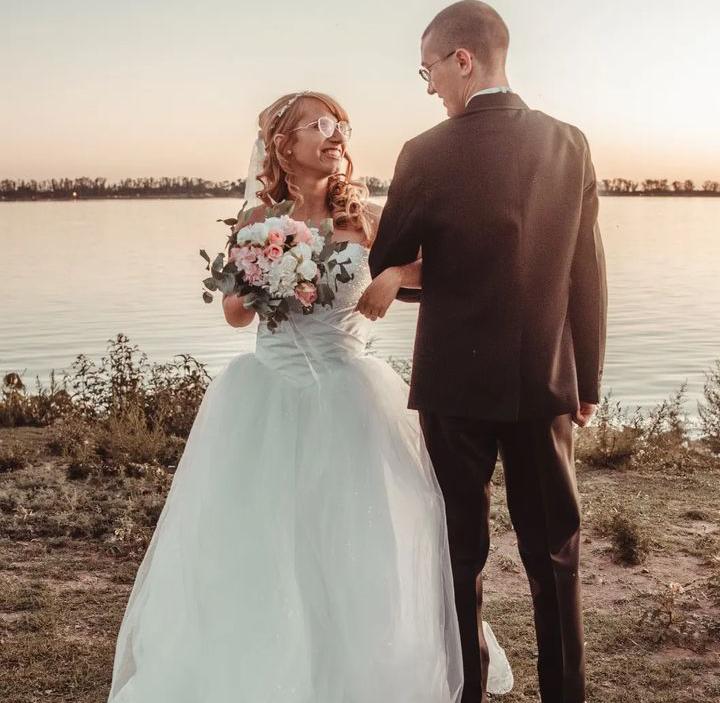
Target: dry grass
69, 549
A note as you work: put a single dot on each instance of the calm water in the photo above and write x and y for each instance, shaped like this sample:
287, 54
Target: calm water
74, 274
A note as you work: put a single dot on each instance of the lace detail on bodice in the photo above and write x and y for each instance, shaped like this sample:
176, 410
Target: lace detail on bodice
348, 294
305, 346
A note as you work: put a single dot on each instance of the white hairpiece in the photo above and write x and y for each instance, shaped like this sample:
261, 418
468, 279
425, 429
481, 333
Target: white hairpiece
287, 105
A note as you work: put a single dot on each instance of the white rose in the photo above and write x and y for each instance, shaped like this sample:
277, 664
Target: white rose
318, 244
287, 263
275, 283
303, 251
254, 233
273, 223
307, 269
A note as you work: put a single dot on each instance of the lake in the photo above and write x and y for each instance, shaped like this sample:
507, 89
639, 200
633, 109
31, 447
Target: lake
74, 274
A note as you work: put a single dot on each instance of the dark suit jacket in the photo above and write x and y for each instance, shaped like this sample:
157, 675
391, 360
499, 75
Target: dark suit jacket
503, 201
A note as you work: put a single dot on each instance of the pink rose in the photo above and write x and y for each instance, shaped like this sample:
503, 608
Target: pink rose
243, 255
273, 251
306, 293
302, 234
276, 237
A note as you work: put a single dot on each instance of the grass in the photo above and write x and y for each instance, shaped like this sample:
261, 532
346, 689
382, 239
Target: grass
84, 471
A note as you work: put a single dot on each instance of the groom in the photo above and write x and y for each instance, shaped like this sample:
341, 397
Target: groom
501, 201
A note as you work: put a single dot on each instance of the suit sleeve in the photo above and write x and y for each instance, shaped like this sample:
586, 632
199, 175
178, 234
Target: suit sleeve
399, 236
588, 292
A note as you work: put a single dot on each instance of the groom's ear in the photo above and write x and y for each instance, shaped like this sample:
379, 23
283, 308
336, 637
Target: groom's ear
465, 61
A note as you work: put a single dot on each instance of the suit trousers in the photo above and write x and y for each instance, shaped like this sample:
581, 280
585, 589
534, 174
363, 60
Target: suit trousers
542, 497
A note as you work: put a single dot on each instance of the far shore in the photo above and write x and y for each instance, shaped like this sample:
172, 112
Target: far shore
205, 196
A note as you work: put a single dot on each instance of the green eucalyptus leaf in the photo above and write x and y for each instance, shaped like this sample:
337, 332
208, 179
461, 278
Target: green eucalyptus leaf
204, 255
227, 283
207, 297
326, 227
325, 294
228, 221
343, 277
210, 283
284, 207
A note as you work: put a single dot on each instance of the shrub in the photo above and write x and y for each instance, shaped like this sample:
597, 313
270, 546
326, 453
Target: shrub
710, 409
613, 439
629, 539
174, 393
626, 526
13, 456
665, 424
616, 439
19, 408
127, 437
72, 437
79, 469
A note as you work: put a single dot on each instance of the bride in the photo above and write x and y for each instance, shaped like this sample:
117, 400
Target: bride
301, 555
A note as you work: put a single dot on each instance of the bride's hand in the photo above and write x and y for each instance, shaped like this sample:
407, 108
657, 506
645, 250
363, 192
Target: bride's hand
379, 295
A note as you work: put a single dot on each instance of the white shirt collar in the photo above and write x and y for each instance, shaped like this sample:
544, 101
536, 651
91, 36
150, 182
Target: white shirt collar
487, 91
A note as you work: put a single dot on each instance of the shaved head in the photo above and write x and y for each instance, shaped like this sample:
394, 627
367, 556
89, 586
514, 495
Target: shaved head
471, 25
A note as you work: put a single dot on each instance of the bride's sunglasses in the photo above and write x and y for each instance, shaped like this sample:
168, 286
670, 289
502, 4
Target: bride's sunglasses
327, 126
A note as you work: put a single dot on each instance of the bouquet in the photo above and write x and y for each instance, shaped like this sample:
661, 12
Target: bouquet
277, 263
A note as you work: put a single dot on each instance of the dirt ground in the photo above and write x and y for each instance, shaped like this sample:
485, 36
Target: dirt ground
69, 549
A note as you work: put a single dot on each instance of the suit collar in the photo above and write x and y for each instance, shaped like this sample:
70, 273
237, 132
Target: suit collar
496, 101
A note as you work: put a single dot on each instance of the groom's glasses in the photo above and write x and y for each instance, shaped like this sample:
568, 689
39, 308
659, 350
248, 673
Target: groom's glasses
327, 126
424, 71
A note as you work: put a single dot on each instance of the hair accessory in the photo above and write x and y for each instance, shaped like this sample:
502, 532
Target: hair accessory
287, 105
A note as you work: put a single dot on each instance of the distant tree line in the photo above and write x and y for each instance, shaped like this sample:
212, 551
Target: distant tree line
69, 188
623, 186
376, 186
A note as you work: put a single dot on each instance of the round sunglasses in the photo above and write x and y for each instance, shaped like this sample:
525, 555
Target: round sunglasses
327, 126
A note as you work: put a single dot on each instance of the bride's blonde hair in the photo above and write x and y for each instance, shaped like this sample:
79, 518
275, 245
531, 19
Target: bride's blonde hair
345, 197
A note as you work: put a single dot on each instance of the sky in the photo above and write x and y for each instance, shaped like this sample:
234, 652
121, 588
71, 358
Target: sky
173, 87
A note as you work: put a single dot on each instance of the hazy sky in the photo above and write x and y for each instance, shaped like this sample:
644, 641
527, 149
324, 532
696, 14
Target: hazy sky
173, 88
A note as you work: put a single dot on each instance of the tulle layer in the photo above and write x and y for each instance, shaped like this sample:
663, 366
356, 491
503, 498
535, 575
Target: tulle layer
301, 556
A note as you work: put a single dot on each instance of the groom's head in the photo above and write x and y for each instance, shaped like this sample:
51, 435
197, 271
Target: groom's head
464, 50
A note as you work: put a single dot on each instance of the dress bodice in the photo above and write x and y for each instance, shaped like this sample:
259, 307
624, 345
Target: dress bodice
305, 346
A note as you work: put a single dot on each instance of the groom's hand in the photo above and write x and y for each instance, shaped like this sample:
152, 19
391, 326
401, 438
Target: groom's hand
584, 413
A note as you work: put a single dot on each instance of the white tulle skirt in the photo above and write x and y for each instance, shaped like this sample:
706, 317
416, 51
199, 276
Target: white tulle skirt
301, 555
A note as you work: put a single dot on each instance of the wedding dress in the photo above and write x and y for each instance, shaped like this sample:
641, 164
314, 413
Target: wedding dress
301, 555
